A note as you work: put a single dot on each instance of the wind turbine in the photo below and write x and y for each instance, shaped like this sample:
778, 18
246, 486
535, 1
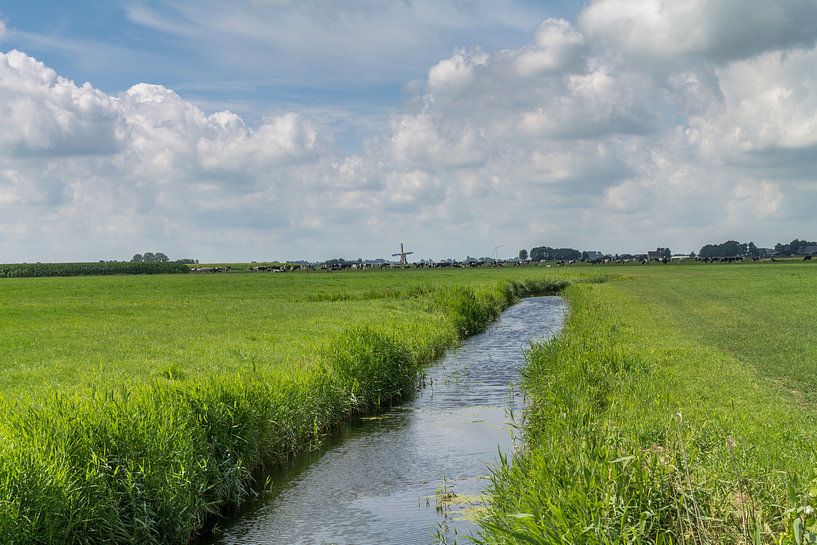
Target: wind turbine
496, 247
402, 254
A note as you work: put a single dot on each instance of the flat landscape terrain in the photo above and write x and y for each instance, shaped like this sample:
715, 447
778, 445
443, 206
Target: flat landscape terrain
111, 330
132, 408
677, 406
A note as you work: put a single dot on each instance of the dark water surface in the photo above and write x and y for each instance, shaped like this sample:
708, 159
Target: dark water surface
382, 480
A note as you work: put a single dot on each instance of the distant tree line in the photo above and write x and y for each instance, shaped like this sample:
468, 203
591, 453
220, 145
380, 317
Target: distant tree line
730, 248
733, 248
795, 247
150, 257
546, 253
341, 261
159, 257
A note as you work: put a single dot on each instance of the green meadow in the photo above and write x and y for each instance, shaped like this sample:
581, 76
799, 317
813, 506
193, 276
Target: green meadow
133, 409
78, 332
678, 405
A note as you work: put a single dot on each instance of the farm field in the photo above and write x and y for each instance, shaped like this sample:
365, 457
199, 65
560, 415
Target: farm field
133, 408
79, 332
677, 407
138, 406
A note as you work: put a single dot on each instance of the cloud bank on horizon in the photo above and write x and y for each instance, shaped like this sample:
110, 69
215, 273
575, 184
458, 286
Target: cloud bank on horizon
638, 124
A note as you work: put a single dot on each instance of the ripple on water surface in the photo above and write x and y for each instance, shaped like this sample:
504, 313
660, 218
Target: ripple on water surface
377, 483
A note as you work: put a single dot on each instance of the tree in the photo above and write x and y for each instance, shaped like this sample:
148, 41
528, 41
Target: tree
159, 256
148, 257
137, 258
546, 253
753, 250
730, 248
664, 252
523, 255
708, 250
537, 254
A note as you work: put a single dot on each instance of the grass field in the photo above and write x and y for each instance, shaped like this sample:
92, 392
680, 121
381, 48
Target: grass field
132, 408
80, 332
677, 407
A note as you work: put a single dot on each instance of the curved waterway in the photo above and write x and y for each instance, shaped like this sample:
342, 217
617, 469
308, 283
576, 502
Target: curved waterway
412, 474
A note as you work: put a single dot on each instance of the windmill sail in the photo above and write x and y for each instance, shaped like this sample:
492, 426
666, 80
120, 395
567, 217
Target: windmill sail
402, 255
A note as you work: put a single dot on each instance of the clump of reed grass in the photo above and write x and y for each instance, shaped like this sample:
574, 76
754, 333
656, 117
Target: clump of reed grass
371, 369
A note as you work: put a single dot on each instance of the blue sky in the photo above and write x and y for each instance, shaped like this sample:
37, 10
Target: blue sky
182, 45
283, 129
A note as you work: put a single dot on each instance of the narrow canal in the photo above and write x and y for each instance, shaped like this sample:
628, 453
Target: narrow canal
413, 474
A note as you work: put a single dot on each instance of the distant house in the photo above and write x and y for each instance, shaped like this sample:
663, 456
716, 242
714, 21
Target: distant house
655, 256
809, 250
594, 255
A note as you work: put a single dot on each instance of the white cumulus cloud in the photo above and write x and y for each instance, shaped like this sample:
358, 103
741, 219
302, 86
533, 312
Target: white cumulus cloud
559, 46
714, 30
646, 123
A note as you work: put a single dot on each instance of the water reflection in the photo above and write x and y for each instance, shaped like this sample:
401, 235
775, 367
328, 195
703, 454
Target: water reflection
381, 480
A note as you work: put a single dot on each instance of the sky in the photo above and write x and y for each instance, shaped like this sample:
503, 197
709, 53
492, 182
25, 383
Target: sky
276, 129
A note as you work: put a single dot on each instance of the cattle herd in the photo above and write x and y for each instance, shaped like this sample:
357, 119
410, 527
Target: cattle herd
723, 259
352, 266
738, 259
210, 269
421, 265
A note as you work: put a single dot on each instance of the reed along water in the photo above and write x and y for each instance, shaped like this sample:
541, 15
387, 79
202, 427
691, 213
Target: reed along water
413, 474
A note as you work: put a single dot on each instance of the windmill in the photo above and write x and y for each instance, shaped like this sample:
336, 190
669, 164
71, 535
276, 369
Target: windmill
402, 254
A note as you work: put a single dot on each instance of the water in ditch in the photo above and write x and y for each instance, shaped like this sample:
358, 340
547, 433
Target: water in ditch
415, 473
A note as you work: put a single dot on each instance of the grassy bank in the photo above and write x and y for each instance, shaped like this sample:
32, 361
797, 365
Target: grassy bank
134, 409
677, 407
